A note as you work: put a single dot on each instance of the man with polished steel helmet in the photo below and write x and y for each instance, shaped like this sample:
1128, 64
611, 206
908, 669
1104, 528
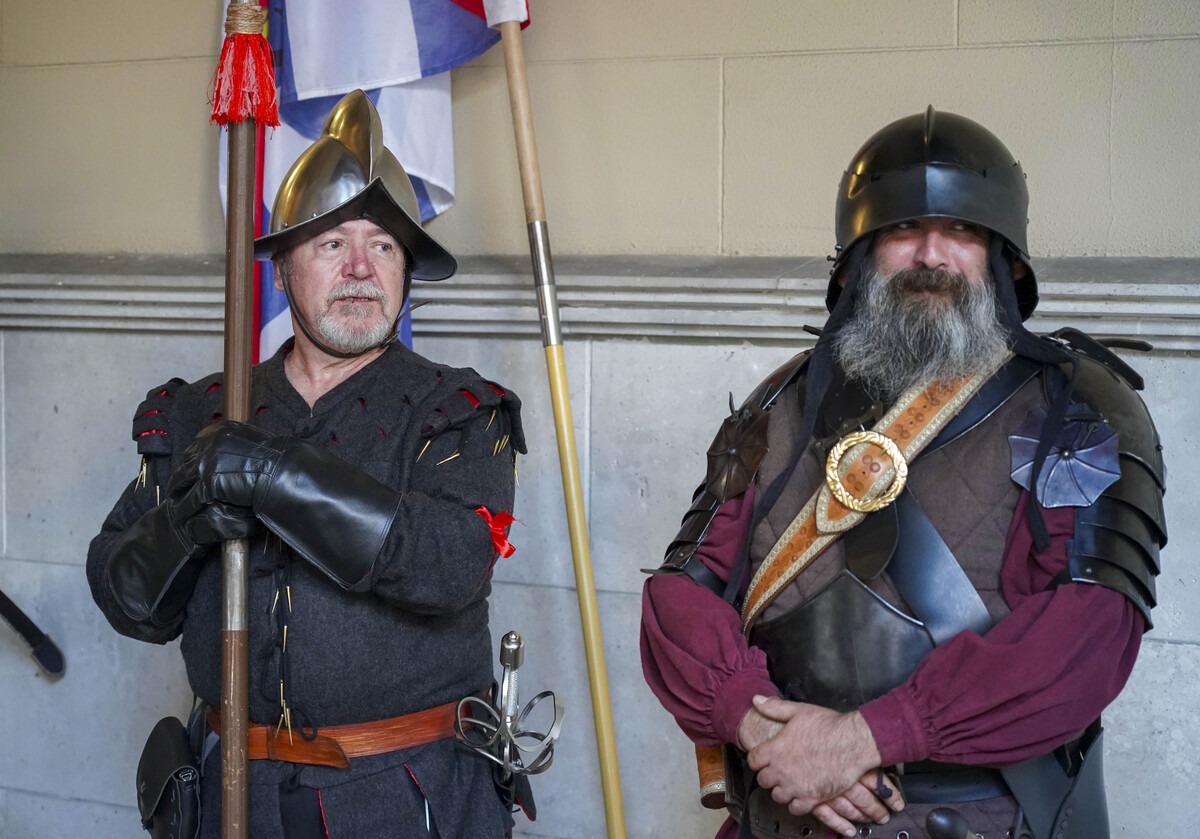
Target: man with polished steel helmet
923, 557
345, 176
370, 483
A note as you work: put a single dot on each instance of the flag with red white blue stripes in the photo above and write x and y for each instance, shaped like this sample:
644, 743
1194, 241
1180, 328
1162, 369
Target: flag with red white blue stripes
399, 52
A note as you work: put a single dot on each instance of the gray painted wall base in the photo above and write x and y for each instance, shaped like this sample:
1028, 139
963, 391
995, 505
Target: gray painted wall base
654, 347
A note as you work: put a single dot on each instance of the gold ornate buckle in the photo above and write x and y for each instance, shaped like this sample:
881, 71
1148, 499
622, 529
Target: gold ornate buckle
834, 461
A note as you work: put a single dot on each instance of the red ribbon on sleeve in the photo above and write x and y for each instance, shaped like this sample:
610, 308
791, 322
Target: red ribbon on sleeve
498, 524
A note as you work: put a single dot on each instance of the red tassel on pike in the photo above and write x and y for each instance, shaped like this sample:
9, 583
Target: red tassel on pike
243, 86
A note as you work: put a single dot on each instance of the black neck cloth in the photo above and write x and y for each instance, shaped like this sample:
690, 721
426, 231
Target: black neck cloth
1049, 352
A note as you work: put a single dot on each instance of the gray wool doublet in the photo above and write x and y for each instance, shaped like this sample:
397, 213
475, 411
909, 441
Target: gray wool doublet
415, 637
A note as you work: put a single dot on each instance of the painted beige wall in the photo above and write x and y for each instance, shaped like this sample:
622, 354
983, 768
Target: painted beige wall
703, 128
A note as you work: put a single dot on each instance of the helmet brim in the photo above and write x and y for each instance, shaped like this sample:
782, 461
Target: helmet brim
430, 261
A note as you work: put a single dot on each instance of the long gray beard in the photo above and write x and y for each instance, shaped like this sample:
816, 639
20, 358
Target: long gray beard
896, 340
345, 338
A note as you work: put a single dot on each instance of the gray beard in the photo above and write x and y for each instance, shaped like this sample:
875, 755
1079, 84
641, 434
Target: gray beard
351, 339
896, 340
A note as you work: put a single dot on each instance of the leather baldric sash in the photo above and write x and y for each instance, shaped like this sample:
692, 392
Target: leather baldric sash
867, 481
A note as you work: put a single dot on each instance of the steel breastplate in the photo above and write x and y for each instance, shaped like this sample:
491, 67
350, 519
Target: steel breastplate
842, 647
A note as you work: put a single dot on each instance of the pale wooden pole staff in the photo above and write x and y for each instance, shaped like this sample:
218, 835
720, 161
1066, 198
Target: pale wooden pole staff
543, 271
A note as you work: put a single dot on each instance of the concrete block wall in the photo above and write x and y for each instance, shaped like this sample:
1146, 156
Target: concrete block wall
710, 132
650, 371
704, 128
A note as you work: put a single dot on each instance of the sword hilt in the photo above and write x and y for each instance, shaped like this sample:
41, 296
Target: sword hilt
512, 656
500, 729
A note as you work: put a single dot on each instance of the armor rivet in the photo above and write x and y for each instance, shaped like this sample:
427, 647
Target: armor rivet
1070, 811
775, 826
903, 834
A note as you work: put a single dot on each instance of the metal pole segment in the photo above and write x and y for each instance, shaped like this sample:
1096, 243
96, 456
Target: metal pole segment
543, 279
239, 296
539, 244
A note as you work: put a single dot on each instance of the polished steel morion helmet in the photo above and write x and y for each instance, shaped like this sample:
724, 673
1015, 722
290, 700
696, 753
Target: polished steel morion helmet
349, 174
935, 164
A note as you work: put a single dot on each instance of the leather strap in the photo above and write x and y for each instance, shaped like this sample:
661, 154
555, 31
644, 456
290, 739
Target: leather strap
912, 423
334, 745
937, 589
701, 573
929, 578
953, 785
998, 390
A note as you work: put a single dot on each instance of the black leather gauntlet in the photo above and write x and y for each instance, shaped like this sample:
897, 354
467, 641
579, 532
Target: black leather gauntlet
330, 512
153, 566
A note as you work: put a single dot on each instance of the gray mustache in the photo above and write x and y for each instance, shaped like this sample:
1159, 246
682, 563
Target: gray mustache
355, 289
930, 279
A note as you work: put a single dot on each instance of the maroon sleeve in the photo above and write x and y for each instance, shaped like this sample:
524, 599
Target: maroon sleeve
694, 656
1036, 680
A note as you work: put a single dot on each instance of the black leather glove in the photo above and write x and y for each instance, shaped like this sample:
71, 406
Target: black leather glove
331, 513
153, 566
224, 462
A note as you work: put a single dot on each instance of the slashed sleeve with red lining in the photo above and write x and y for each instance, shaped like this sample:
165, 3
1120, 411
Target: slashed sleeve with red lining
1035, 681
694, 655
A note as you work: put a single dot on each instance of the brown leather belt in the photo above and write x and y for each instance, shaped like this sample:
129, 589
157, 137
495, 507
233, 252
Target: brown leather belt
334, 745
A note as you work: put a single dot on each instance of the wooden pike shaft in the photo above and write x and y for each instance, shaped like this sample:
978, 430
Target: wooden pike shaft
239, 301
535, 217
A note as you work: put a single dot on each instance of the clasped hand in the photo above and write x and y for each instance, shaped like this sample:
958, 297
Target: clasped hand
817, 761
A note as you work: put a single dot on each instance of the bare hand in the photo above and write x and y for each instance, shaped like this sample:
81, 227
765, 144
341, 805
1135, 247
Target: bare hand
817, 758
755, 728
860, 803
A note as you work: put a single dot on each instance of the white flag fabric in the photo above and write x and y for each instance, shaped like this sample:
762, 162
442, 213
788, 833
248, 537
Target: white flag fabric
500, 11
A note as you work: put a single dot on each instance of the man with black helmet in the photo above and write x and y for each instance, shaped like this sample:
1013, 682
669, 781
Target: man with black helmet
371, 484
923, 557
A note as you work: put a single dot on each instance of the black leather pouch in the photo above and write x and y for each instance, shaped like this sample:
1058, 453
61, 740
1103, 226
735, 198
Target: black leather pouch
168, 783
